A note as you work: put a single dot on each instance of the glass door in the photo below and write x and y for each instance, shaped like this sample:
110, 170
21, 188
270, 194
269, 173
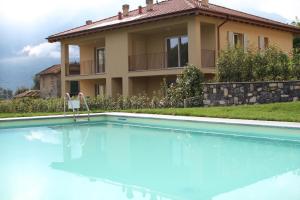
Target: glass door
100, 60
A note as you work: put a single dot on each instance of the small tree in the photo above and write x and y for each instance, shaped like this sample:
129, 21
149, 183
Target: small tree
277, 64
190, 82
234, 65
260, 71
295, 63
36, 82
296, 39
187, 85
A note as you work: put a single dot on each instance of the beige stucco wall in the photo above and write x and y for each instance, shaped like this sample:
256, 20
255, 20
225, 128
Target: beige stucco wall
87, 87
150, 38
281, 39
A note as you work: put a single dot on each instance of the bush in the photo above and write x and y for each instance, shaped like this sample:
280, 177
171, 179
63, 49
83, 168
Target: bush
188, 85
236, 65
295, 63
277, 64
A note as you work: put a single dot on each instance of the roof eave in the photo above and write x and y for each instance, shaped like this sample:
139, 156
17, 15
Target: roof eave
122, 25
196, 11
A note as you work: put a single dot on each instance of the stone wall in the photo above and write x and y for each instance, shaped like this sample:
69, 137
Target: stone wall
218, 94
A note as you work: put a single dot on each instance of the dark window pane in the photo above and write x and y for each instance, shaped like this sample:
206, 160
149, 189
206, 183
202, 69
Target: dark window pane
74, 88
172, 52
184, 42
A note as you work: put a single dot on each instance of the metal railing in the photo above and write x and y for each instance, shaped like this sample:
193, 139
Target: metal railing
67, 98
75, 105
87, 67
154, 61
208, 58
158, 61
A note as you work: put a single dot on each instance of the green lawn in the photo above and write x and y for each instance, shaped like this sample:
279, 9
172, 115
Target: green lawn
275, 112
271, 112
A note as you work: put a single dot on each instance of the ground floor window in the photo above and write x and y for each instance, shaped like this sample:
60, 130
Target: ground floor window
177, 51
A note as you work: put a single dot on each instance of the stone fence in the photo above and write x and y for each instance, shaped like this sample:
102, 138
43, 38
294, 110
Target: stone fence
222, 94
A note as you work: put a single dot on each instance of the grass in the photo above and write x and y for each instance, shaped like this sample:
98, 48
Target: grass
272, 112
289, 112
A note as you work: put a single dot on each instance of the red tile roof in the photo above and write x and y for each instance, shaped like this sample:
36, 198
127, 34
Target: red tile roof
171, 8
55, 69
29, 93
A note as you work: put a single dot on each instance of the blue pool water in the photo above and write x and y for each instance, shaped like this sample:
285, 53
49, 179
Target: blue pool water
126, 158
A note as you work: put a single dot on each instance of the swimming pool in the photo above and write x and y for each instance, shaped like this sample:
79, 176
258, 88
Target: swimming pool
117, 157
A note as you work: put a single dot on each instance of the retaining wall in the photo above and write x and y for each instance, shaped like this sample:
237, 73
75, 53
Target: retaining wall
217, 94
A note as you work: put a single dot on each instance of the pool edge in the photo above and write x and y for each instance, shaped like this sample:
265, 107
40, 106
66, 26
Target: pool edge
278, 124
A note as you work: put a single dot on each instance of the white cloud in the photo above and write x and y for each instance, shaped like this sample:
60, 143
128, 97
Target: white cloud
51, 50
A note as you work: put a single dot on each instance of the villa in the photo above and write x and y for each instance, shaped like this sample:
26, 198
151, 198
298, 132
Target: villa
132, 52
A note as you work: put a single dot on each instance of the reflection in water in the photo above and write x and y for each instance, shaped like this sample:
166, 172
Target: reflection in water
176, 165
49, 136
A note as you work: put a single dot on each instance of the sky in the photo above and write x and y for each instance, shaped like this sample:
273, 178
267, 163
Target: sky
24, 25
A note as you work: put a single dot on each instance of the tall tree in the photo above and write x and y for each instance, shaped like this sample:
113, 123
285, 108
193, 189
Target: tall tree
36, 82
297, 38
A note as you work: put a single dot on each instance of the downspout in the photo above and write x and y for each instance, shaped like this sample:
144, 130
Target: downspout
219, 26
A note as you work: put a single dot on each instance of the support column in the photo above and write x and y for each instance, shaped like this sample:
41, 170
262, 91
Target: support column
108, 89
194, 35
64, 60
126, 85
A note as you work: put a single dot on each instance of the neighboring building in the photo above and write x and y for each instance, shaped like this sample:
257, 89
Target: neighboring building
50, 82
133, 51
29, 94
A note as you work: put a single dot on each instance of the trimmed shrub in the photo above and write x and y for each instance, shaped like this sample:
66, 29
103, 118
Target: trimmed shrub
236, 65
188, 85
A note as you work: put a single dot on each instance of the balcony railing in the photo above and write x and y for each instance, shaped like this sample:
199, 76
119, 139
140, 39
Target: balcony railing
153, 61
208, 58
84, 68
158, 61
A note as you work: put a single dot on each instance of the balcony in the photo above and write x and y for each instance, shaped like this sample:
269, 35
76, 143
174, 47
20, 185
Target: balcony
84, 68
155, 61
158, 61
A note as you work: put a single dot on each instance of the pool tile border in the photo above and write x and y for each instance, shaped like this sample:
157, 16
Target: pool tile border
169, 117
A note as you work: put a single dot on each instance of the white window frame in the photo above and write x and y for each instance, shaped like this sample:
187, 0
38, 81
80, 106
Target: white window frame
178, 50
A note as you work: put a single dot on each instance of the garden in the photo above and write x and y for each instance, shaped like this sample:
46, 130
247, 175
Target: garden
234, 65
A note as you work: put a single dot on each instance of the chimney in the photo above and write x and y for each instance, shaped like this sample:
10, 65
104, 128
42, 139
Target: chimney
140, 9
125, 10
149, 5
204, 3
88, 22
120, 15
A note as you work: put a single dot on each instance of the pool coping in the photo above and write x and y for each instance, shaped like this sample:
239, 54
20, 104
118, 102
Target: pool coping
278, 124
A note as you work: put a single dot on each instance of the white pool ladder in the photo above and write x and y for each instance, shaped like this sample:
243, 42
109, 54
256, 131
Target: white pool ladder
75, 104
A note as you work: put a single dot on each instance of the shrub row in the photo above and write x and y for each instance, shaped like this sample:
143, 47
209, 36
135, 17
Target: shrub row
187, 85
29, 105
236, 65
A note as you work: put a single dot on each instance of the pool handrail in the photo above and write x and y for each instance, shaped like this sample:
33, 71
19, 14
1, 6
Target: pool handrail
71, 103
81, 96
